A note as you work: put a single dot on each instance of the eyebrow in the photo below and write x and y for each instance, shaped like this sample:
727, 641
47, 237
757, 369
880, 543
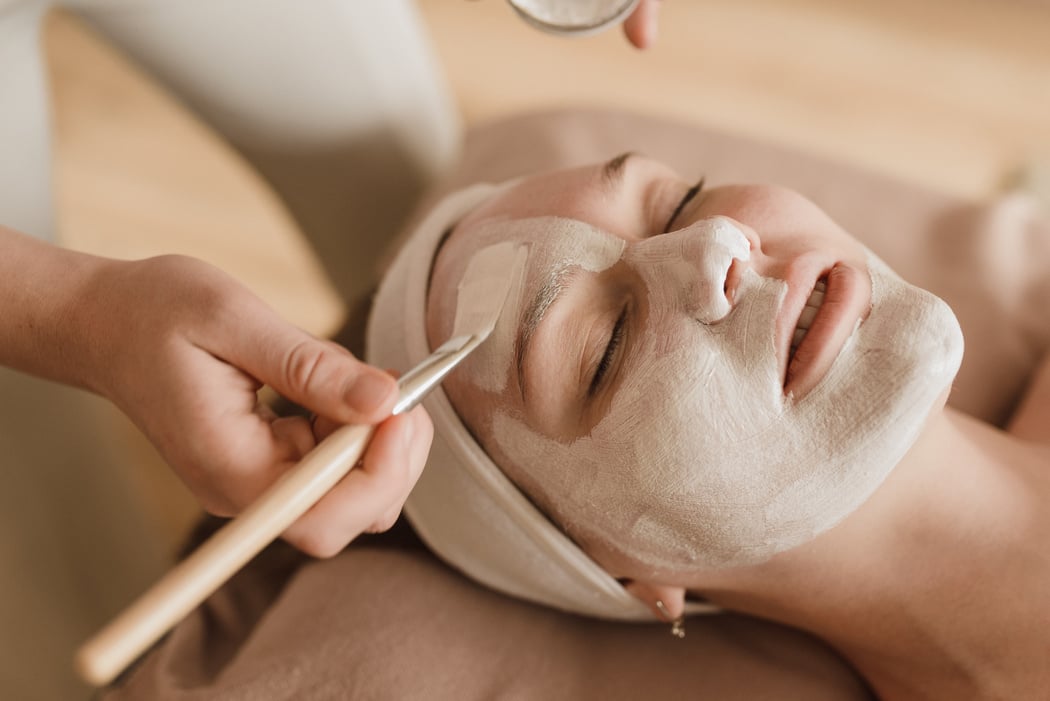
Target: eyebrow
544, 299
612, 175
613, 171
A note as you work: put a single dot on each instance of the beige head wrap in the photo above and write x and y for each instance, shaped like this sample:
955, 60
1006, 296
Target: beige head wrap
463, 506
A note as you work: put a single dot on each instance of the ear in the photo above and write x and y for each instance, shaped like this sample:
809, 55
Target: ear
672, 597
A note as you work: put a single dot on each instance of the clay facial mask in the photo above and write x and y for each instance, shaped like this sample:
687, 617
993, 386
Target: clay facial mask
558, 247
701, 460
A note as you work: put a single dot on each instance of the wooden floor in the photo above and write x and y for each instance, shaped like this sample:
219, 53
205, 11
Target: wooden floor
949, 93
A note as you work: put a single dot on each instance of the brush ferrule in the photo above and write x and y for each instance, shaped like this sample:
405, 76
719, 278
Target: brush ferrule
417, 382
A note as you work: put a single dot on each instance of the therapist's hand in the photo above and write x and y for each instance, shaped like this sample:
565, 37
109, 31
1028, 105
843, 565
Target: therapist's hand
182, 348
641, 27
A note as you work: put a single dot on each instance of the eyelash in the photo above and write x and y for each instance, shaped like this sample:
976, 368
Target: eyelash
689, 195
610, 351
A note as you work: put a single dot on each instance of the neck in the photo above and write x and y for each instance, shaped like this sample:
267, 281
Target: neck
935, 587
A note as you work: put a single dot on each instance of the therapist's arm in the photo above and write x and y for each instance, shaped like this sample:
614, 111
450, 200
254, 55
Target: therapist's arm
182, 348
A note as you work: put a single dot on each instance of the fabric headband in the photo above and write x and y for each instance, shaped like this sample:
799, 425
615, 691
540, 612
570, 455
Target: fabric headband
463, 507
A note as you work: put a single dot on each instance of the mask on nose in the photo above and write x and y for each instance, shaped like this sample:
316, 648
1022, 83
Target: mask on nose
701, 461
698, 259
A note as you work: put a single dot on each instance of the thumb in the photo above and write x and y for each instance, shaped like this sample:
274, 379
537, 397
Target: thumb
319, 375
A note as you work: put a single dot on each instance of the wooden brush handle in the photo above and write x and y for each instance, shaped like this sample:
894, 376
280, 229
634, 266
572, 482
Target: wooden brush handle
104, 656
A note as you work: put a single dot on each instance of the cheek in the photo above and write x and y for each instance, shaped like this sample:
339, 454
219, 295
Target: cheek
786, 222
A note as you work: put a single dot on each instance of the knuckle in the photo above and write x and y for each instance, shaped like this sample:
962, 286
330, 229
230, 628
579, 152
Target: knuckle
294, 435
303, 362
323, 427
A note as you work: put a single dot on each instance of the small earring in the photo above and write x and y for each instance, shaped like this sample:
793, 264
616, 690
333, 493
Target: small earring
677, 624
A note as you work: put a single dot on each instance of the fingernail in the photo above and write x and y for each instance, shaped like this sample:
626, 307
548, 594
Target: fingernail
369, 391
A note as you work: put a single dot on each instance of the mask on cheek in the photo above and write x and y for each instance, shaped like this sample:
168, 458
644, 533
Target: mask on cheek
701, 461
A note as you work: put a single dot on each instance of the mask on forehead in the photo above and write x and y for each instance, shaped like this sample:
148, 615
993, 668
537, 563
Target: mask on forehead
701, 461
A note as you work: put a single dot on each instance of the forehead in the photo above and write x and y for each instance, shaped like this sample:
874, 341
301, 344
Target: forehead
564, 193
568, 194
597, 194
554, 241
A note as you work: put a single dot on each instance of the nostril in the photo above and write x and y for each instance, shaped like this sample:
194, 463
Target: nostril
732, 282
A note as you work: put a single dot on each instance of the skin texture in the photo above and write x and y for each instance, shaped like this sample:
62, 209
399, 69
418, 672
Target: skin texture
935, 587
182, 348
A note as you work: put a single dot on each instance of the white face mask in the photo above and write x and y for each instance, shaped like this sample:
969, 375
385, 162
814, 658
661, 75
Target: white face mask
701, 461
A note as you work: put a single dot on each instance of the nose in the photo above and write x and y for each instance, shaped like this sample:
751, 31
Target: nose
701, 265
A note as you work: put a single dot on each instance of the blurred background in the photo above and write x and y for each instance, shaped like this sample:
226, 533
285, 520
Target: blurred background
949, 93
952, 95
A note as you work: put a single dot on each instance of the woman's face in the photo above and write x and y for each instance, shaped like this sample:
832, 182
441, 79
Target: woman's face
690, 379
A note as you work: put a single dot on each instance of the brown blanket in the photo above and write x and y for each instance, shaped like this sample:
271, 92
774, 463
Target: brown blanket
385, 620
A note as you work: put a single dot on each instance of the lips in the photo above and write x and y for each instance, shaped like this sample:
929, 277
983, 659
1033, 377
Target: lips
836, 302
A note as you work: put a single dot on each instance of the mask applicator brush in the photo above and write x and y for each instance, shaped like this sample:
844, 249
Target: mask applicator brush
491, 275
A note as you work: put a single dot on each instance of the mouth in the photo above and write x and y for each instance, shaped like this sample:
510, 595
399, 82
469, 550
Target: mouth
838, 301
805, 319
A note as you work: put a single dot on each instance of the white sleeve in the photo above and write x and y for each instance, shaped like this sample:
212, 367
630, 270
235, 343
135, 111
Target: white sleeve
25, 125
339, 104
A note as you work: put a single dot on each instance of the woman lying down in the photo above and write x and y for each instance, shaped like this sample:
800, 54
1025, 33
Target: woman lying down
703, 399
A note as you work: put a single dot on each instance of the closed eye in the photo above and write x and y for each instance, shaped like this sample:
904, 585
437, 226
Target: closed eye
615, 339
689, 195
